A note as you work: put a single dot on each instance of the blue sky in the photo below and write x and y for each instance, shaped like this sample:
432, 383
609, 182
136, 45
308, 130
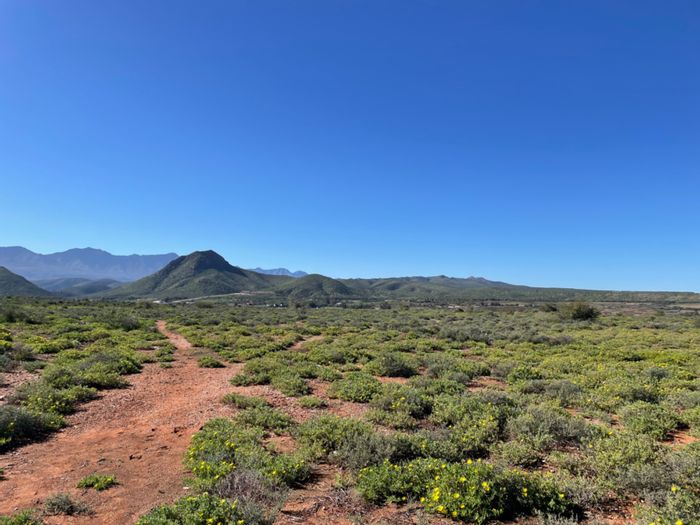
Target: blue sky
544, 142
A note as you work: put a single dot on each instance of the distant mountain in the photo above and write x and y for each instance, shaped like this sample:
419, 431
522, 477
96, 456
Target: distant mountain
198, 274
14, 285
85, 263
77, 286
279, 271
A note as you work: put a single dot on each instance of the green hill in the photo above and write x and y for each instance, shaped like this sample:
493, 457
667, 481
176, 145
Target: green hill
316, 288
15, 285
199, 274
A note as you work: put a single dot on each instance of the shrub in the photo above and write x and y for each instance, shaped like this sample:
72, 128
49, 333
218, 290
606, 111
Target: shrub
290, 384
517, 454
392, 364
18, 424
471, 491
401, 398
241, 401
224, 445
40, 397
259, 499
356, 386
25, 517
347, 442
204, 509
265, 417
681, 506
63, 504
208, 361
312, 402
579, 311
648, 418
98, 482
544, 427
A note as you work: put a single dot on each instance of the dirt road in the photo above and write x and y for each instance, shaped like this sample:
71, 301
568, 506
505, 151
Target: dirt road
139, 434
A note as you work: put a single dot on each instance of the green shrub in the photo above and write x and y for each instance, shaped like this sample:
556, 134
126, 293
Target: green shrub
241, 401
224, 445
259, 499
312, 402
517, 454
681, 506
346, 442
579, 311
473, 491
647, 418
40, 397
265, 417
356, 386
18, 424
544, 426
204, 509
403, 399
208, 361
98, 482
290, 384
25, 517
64, 504
392, 364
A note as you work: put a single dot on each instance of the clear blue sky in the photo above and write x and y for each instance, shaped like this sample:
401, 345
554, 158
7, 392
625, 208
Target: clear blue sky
550, 143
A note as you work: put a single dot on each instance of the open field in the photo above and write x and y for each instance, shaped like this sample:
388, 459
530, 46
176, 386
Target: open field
212, 413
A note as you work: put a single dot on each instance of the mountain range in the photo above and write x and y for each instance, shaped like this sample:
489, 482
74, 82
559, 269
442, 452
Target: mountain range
85, 263
206, 274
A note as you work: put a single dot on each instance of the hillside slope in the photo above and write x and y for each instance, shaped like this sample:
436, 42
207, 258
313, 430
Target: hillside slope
13, 285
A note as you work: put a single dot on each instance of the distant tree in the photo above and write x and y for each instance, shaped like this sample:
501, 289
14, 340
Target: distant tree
580, 311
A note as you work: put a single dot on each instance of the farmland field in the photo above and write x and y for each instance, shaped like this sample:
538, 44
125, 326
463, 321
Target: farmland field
211, 413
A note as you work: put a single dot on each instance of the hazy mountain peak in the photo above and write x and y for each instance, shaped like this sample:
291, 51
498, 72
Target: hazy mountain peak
280, 271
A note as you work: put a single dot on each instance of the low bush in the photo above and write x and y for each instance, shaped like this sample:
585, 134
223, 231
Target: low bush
473, 491
346, 442
545, 426
312, 402
392, 364
18, 424
355, 386
225, 445
203, 509
648, 418
265, 417
259, 499
208, 361
290, 384
579, 311
241, 401
64, 504
25, 517
98, 482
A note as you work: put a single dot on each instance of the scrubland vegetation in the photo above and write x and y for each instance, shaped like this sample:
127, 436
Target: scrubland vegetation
472, 414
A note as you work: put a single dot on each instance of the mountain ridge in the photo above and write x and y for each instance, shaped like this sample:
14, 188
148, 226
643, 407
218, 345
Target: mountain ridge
86, 263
